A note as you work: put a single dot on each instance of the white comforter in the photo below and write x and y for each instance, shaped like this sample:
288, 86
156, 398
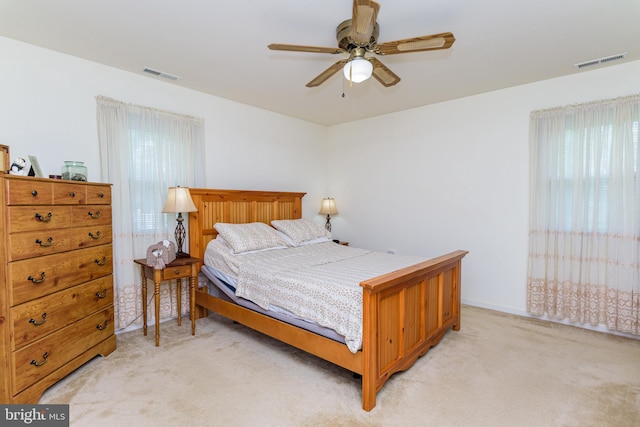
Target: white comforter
319, 282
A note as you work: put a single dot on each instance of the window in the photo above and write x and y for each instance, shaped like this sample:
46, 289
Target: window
584, 168
584, 244
144, 151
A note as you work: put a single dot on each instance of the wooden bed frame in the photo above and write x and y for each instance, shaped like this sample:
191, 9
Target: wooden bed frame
405, 313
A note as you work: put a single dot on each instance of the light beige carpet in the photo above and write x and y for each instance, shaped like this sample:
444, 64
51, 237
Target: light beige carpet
499, 370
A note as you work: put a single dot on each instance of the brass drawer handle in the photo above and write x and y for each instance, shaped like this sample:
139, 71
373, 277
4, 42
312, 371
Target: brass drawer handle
34, 322
101, 195
102, 295
45, 245
34, 193
36, 281
103, 326
94, 236
44, 360
103, 262
44, 218
72, 194
94, 215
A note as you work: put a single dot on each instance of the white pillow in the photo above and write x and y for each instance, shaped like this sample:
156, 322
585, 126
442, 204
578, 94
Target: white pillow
249, 237
306, 242
314, 241
229, 249
301, 230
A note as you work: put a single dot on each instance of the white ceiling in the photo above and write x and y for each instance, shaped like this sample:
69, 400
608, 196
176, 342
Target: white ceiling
220, 47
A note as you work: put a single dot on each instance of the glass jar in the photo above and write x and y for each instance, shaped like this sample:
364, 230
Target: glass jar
74, 171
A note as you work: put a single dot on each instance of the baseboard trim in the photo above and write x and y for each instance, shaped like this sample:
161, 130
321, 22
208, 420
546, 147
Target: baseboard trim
523, 313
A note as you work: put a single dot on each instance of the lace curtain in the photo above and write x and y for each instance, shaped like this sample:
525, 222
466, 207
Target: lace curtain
143, 152
584, 245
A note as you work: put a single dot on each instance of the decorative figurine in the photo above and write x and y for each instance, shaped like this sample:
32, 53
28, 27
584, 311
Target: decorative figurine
19, 167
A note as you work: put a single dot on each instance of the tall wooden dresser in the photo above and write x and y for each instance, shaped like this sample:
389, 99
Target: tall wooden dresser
56, 302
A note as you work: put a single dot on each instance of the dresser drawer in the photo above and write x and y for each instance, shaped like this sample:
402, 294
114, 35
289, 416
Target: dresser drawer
31, 244
68, 193
29, 192
37, 243
36, 319
31, 218
92, 236
35, 278
99, 194
91, 214
40, 358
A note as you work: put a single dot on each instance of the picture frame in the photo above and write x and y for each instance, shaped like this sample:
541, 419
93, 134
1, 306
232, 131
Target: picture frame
5, 159
35, 165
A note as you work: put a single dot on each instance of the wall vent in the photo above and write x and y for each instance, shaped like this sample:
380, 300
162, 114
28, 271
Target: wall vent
160, 74
599, 61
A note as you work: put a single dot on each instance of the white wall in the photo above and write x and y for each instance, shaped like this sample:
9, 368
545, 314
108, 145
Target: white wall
455, 176
423, 182
48, 109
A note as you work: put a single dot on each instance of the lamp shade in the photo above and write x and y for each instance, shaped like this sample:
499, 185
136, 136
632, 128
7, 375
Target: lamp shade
179, 200
357, 70
328, 206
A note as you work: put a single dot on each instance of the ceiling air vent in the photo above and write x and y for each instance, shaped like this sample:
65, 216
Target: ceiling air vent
599, 61
160, 74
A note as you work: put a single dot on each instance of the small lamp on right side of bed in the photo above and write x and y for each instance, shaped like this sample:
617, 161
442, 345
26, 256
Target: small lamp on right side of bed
328, 208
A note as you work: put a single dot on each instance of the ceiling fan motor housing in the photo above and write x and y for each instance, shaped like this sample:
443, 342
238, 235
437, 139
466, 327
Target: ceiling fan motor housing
343, 35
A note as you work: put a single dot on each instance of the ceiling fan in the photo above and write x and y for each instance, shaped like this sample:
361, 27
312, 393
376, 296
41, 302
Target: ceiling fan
359, 35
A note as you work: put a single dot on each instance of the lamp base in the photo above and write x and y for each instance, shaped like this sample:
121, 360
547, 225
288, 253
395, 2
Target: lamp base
327, 225
180, 236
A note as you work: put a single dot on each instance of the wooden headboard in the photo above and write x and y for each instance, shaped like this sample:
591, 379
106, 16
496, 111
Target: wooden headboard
236, 207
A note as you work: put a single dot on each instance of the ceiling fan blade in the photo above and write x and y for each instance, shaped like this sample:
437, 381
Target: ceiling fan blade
299, 48
323, 76
383, 74
363, 21
416, 44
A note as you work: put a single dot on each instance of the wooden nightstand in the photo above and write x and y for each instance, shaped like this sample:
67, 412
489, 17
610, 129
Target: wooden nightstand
179, 269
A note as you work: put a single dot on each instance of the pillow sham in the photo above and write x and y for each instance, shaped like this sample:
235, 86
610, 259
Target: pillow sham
229, 249
300, 230
306, 242
249, 237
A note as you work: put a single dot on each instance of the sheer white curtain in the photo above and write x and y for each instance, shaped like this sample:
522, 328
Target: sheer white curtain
143, 152
584, 262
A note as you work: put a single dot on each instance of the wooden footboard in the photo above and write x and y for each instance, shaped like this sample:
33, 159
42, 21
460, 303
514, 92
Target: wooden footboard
405, 313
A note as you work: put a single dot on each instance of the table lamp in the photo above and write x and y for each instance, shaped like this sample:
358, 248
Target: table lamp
179, 200
328, 208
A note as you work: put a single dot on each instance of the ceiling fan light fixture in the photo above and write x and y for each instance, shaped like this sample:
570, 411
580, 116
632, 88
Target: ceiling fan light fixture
358, 70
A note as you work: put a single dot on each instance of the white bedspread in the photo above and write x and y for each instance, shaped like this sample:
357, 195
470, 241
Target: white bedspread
319, 282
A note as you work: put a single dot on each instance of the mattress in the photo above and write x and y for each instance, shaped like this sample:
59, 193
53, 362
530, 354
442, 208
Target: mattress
318, 283
223, 286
